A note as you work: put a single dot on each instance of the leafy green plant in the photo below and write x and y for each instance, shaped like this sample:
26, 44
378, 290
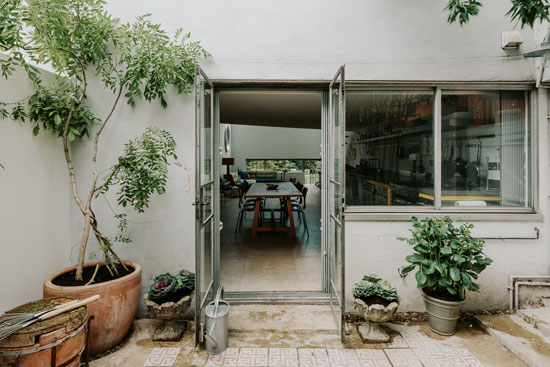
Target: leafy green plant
447, 257
527, 12
374, 286
136, 61
167, 287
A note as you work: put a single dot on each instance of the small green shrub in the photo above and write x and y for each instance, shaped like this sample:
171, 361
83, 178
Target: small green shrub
447, 257
374, 286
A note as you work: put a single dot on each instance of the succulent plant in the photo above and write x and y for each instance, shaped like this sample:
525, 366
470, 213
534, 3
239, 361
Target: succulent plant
166, 285
374, 286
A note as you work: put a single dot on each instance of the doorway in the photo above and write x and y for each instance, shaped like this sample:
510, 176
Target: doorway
272, 137
208, 185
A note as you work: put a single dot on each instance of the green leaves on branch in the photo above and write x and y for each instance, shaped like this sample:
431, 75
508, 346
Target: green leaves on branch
143, 169
527, 12
446, 257
153, 60
462, 10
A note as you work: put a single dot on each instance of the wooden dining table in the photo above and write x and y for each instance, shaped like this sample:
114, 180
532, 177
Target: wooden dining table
285, 190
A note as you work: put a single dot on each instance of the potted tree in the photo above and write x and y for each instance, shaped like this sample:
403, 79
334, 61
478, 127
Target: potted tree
377, 301
80, 41
168, 299
448, 260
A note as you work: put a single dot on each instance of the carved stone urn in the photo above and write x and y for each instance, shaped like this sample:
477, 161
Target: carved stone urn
168, 310
172, 326
375, 314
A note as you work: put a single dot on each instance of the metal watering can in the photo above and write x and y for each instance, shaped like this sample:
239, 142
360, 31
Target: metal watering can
216, 325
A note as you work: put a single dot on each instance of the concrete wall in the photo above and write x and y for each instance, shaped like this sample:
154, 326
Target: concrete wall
34, 204
257, 142
163, 236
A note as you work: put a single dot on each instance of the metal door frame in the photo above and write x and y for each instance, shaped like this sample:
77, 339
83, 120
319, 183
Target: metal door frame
328, 150
214, 218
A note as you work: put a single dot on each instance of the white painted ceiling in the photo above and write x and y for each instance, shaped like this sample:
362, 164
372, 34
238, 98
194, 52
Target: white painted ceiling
280, 108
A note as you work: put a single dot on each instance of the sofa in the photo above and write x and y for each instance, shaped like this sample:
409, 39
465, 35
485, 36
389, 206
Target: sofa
264, 176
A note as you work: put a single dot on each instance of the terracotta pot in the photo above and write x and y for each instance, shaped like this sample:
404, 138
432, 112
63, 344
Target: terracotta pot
113, 313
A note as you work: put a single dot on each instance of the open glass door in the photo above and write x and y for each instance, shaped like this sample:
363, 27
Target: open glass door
336, 198
206, 208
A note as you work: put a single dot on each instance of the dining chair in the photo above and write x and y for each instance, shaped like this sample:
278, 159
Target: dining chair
298, 208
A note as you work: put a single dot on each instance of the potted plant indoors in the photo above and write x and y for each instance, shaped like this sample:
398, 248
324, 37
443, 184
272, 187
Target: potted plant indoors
377, 301
168, 299
448, 260
81, 42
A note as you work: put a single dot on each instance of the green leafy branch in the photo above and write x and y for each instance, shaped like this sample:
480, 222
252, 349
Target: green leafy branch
527, 12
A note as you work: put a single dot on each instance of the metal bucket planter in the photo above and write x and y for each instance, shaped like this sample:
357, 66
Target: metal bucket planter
442, 315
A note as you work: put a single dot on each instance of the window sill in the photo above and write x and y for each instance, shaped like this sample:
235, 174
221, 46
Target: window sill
470, 217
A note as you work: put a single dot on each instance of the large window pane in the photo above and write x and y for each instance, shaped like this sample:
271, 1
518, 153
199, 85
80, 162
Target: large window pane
389, 148
485, 149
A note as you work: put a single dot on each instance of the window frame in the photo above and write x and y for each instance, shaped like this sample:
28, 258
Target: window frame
358, 211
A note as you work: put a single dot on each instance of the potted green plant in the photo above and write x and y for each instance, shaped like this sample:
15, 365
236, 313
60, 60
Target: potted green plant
170, 296
448, 259
86, 47
377, 301
168, 299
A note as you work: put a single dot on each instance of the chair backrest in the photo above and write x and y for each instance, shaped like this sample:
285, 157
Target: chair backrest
304, 192
242, 191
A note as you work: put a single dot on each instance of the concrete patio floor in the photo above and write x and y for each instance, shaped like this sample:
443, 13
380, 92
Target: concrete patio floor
305, 335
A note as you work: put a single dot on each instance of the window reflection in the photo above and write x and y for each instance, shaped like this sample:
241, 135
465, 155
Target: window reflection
389, 147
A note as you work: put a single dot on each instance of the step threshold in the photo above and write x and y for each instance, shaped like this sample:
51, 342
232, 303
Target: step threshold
290, 297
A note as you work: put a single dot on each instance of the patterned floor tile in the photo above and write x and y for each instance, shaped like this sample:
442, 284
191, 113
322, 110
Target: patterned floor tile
283, 357
396, 342
419, 340
226, 359
402, 358
343, 358
253, 357
162, 357
313, 357
447, 357
372, 358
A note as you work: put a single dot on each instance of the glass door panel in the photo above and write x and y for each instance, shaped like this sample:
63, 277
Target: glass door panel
336, 132
205, 201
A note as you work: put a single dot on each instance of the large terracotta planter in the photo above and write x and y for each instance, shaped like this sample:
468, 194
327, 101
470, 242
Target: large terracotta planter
113, 313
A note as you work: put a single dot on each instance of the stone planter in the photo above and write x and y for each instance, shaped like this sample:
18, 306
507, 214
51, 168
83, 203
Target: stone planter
171, 313
375, 314
168, 310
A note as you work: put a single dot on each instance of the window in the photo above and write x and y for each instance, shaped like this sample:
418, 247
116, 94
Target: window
310, 167
389, 155
485, 148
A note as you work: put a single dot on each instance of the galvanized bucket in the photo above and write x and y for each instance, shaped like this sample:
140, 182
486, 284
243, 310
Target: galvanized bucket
216, 334
442, 315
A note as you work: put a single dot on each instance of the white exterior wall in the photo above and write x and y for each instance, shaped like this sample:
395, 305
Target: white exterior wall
34, 204
258, 142
307, 40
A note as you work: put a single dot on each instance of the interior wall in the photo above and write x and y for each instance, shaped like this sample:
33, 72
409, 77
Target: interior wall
34, 204
259, 142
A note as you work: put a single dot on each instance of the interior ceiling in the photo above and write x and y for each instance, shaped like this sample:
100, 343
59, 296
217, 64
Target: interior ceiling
297, 109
